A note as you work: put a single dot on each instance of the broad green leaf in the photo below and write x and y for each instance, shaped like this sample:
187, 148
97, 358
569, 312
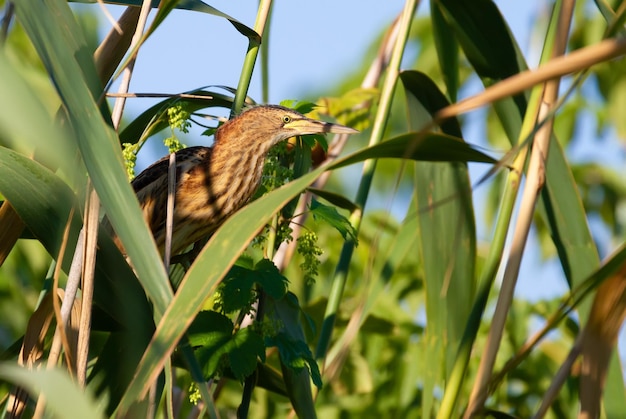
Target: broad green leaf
58, 389
447, 234
422, 147
483, 35
303, 107
237, 291
447, 52
40, 198
348, 108
613, 399
212, 335
270, 279
209, 328
298, 365
246, 346
431, 99
116, 359
561, 209
296, 355
210, 332
495, 56
331, 216
40, 133
486, 41
335, 199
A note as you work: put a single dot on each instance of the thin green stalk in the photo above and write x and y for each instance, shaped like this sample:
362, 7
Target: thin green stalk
380, 123
169, 387
494, 258
262, 18
271, 238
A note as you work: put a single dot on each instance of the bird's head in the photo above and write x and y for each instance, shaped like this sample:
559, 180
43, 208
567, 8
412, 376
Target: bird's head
272, 124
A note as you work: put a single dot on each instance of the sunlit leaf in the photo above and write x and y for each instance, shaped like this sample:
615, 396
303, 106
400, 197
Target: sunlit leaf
41, 134
421, 147
40, 198
58, 389
211, 332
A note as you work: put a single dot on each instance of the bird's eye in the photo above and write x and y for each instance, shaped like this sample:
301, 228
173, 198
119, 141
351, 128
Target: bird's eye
286, 119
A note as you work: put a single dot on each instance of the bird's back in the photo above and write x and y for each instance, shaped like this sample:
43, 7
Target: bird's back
151, 189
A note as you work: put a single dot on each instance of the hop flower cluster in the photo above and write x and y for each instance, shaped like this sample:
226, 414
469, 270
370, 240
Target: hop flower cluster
129, 152
275, 173
177, 118
307, 247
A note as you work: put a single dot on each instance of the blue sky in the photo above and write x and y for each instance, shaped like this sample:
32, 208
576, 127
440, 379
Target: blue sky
306, 53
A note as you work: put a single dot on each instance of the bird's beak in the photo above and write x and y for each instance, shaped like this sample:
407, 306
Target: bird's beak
312, 126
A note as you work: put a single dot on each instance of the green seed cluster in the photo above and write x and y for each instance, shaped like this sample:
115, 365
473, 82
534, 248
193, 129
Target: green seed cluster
275, 172
129, 152
307, 247
178, 119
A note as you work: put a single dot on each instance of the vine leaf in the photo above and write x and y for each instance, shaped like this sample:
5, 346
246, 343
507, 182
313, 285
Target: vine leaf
216, 345
237, 290
331, 216
296, 355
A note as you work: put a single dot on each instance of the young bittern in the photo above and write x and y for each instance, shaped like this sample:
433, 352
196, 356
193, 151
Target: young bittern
214, 182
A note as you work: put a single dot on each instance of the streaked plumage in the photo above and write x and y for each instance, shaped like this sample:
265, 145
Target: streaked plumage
214, 182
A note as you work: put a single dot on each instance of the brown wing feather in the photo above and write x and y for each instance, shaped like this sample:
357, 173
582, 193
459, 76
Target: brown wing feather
151, 185
159, 168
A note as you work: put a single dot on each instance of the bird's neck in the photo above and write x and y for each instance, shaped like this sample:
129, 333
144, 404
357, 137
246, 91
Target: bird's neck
237, 164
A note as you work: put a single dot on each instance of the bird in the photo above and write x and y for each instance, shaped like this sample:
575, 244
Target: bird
212, 183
